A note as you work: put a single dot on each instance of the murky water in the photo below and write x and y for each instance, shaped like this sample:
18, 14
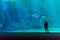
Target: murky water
19, 15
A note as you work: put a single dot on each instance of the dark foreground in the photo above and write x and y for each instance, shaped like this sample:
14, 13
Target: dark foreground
29, 36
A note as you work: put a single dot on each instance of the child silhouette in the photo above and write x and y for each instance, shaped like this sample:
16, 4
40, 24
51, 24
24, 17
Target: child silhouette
46, 26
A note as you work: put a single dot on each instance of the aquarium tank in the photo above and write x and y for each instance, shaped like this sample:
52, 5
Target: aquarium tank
29, 15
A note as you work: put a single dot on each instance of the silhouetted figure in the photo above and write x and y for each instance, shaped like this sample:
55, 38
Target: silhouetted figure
46, 27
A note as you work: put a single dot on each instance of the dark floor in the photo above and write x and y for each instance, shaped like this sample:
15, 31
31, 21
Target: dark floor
30, 36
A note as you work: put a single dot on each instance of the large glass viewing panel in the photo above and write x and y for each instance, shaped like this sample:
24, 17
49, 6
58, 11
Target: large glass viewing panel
29, 15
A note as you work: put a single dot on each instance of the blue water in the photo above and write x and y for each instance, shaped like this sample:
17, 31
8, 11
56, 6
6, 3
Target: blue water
19, 15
